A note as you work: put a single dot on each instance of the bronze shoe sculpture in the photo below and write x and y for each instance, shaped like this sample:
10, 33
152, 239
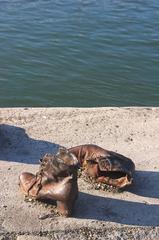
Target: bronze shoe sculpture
55, 180
105, 166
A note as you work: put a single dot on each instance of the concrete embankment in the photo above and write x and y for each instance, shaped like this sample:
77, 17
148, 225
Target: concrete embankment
28, 133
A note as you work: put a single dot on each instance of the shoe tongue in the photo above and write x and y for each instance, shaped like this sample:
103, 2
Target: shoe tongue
66, 157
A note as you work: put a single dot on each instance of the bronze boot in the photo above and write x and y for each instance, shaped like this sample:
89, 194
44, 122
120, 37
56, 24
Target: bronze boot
56, 180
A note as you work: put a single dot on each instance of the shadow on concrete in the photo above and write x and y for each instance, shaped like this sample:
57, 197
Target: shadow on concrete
146, 184
17, 146
114, 210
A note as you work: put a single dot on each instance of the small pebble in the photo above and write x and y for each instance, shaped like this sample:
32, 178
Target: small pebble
4, 206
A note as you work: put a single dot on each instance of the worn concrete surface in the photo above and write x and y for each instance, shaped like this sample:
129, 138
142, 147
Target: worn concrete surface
26, 134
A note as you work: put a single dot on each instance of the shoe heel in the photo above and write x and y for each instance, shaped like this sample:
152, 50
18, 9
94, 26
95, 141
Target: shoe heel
64, 208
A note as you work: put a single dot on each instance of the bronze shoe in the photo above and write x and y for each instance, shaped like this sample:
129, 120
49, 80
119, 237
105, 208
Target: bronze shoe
105, 166
56, 180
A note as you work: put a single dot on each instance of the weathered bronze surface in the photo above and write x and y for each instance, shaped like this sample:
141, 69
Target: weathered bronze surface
57, 175
55, 180
104, 166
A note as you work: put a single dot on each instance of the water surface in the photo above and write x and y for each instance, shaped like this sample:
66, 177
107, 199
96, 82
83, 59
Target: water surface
79, 53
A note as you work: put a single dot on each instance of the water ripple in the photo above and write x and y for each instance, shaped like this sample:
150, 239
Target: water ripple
79, 53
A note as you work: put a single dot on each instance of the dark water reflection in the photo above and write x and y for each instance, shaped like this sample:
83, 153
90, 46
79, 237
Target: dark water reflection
79, 53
